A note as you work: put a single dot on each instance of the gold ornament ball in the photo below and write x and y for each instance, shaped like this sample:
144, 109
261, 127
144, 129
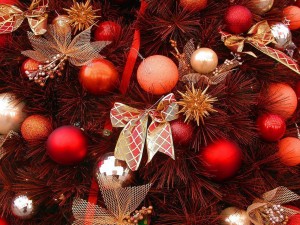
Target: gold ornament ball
63, 22
11, 113
234, 216
204, 60
36, 127
261, 6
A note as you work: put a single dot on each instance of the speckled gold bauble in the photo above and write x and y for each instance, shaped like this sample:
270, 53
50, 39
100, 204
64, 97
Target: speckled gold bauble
36, 127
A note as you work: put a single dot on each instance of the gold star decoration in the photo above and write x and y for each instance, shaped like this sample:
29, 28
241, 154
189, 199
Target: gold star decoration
81, 15
196, 104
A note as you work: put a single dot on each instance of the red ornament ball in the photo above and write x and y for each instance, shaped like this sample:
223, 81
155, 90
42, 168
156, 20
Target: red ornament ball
294, 220
297, 90
29, 65
157, 74
193, 5
67, 145
182, 132
238, 19
99, 77
9, 2
222, 159
289, 151
282, 100
36, 127
3, 222
292, 13
107, 31
5, 40
292, 207
271, 127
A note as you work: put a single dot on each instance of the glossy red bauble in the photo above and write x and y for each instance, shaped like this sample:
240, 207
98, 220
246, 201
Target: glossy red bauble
107, 31
238, 19
3, 222
99, 77
29, 65
271, 127
67, 145
182, 132
222, 159
9, 2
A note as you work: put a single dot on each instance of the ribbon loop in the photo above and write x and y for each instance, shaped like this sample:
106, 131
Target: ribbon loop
11, 17
132, 139
259, 36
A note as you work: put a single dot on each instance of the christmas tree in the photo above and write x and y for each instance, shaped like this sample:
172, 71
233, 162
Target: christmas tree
149, 112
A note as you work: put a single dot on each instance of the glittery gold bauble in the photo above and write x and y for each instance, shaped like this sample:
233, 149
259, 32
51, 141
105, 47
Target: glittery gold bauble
62, 21
234, 216
36, 127
204, 60
109, 168
260, 6
11, 113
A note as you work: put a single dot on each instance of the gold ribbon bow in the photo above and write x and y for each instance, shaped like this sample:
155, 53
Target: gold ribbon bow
258, 211
259, 36
134, 134
11, 17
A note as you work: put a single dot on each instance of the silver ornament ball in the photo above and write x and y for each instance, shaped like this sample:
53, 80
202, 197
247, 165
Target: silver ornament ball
111, 172
23, 207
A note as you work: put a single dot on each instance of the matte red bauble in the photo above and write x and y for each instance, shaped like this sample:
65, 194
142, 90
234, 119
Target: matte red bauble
107, 31
36, 127
9, 2
271, 127
3, 222
289, 151
99, 77
5, 40
67, 145
157, 74
294, 220
193, 5
297, 89
282, 100
292, 13
238, 19
29, 65
222, 159
182, 132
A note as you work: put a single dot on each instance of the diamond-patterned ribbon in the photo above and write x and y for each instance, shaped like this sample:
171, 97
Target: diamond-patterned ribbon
132, 139
277, 196
11, 17
259, 36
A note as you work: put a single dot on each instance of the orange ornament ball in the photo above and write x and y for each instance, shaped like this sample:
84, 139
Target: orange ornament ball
157, 74
193, 5
29, 65
292, 13
289, 151
36, 127
282, 100
99, 77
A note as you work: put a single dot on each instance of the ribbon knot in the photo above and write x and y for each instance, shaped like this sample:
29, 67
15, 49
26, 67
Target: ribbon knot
259, 36
134, 121
11, 17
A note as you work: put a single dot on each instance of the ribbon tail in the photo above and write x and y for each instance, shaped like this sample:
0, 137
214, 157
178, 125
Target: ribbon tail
159, 139
131, 142
277, 55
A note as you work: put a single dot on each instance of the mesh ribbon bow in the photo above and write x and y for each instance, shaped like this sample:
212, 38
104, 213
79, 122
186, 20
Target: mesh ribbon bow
133, 136
258, 211
259, 36
11, 17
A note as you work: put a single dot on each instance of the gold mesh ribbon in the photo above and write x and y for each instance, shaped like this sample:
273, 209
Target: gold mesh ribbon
11, 17
259, 36
131, 141
277, 196
120, 202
